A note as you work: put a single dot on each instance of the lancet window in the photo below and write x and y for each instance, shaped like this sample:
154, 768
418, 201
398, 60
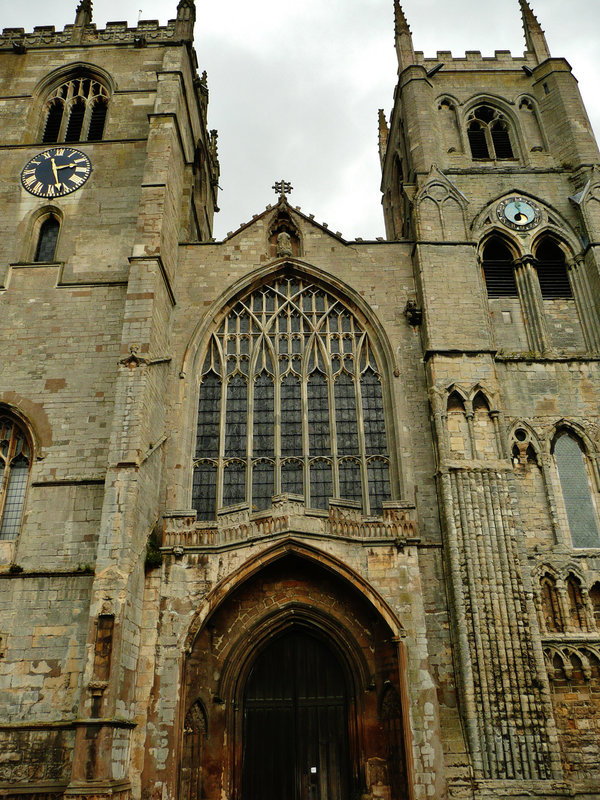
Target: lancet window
577, 492
290, 401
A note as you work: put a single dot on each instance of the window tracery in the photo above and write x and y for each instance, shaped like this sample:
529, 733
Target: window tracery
15, 463
290, 401
76, 111
489, 134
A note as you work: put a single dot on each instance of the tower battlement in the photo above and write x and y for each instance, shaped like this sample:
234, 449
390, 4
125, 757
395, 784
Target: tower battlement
473, 60
114, 33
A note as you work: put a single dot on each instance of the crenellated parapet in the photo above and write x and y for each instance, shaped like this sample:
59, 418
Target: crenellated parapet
474, 60
146, 31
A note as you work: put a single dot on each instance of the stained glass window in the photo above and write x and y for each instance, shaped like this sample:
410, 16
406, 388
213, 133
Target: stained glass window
290, 401
15, 460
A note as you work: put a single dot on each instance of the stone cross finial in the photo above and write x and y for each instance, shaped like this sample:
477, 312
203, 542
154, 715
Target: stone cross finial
83, 14
282, 188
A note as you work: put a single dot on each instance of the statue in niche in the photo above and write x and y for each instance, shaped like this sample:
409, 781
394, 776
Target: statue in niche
284, 244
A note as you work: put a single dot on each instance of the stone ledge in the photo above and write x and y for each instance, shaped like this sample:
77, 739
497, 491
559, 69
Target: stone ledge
287, 516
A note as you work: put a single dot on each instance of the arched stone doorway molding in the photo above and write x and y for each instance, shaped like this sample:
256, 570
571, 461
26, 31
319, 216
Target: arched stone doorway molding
291, 595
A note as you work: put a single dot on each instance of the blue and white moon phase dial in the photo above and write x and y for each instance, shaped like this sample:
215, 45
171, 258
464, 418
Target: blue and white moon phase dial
519, 214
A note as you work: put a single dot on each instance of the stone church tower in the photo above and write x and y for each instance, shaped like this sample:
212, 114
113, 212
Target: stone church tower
285, 516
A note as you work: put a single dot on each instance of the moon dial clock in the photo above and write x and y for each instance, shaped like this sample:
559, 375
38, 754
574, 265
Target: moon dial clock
519, 214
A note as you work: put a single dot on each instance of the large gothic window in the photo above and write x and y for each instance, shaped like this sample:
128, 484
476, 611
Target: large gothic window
76, 111
15, 462
291, 401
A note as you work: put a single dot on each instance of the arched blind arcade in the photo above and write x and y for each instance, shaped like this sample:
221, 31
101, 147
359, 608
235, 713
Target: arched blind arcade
290, 401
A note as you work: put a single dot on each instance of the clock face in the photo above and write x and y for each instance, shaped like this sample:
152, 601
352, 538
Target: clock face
519, 214
56, 172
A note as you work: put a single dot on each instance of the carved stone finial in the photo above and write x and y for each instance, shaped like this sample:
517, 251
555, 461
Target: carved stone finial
534, 35
282, 188
83, 15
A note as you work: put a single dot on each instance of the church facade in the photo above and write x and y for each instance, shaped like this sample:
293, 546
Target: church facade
285, 515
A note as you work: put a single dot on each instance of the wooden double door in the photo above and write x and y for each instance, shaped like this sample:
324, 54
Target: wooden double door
295, 731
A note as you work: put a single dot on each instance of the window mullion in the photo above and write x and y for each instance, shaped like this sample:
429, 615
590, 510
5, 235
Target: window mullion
277, 409
362, 448
490, 142
305, 450
335, 483
223, 417
4, 486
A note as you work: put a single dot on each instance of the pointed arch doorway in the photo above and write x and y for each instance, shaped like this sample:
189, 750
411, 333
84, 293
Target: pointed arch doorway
295, 722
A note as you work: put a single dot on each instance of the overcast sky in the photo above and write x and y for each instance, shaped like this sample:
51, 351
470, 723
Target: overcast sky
295, 87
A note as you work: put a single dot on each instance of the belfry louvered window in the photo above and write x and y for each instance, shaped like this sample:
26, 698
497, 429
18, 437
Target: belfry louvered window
489, 134
76, 111
15, 461
290, 401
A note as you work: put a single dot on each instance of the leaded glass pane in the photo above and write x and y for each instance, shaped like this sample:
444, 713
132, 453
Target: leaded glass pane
262, 485
345, 415
576, 491
292, 479
204, 491
291, 416
15, 495
48, 238
350, 482
236, 418
320, 484
264, 416
374, 422
234, 483
209, 414
318, 415
378, 472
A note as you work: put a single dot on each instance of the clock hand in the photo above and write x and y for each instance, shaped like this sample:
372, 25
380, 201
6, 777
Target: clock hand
67, 166
54, 170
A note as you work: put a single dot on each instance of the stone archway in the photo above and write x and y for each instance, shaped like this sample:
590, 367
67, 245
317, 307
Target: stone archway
287, 605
